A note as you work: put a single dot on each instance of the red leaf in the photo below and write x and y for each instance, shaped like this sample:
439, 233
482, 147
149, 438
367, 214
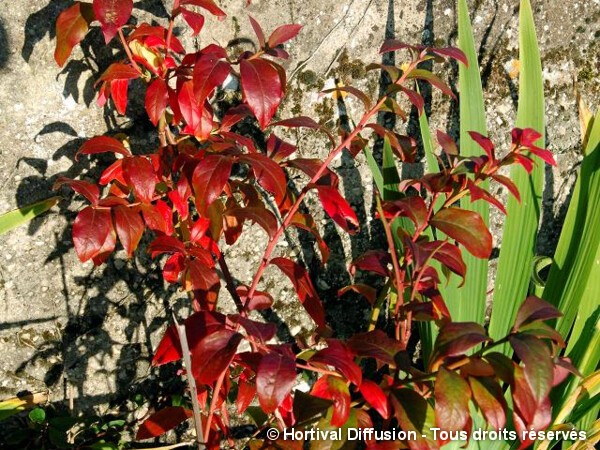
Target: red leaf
213, 354
268, 174
376, 397
304, 288
391, 45
209, 5
102, 144
413, 207
334, 389
246, 393
275, 378
258, 31
260, 330
310, 166
112, 14
71, 27
338, 208
158, 217
278, 149
202, 276
140, 176
369, 292
508, 184
118, 92
449, 255
262, 88
477, 193
209, 72
451, 52
432, 79
157, 99
259, 215
298, 122
129, 226
197, 327
467, 227
119, 71
88, 190
485, 143
336, 354
93, 233
188, 106
209, 179
452, 395
162, 421
456, 338
415, 98
375, 344
534, 309
173, 268
259, 301
283, 34
194, 20
490, 399
166, 244
447, 143
375, 261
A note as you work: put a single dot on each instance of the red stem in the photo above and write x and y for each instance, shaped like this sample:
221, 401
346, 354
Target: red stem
128, 51
213, 404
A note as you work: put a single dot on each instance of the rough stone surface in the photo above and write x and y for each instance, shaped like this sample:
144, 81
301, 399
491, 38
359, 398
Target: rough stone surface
87, 332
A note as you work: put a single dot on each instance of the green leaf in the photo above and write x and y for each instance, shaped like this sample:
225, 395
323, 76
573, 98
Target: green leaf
470, 303
37, 415
521, 225
24, 214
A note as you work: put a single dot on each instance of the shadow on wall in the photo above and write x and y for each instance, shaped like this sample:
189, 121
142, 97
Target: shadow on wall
3, 46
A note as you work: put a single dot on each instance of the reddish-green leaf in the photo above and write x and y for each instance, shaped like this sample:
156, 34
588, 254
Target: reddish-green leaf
338, 208
452, 395
414, 413
93, 233
537, 362
259, 330
262, 88
364, 98
213, 354
535, 309
88, 190
283, 34
140, 176
157, 99
375, 344
467, 227
376, 397
129, 226
112, 14
412, 207
336, 354
274, 380
102, 144
194, 20
71, 27
209, 72
490, 399
432, 79
457, 338
448, 254
268, 174
305, 290
334, 389
162, 421
376, 261
259, 215
209, 179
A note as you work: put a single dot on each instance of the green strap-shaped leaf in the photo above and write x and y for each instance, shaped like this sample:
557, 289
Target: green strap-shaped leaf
521, 225
469, 305
16, 217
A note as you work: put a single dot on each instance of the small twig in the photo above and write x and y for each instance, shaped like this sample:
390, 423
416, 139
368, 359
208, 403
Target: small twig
187, 363
213, 402
128, 51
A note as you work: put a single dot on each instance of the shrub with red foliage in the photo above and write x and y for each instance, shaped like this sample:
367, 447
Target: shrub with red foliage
184, 195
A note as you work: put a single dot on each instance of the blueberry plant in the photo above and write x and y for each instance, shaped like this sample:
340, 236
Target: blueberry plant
209, 176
